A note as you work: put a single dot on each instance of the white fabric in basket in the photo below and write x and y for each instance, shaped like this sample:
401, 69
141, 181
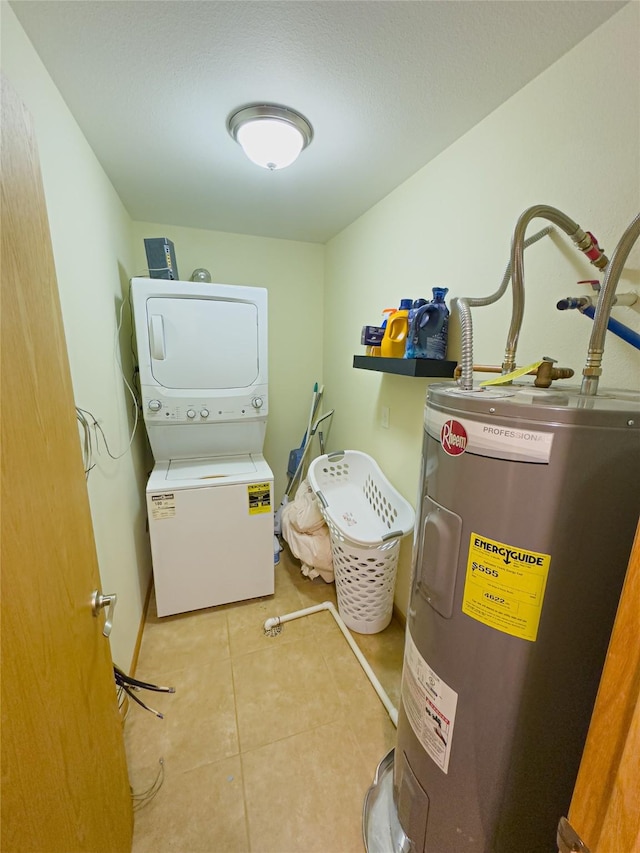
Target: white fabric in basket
307, 535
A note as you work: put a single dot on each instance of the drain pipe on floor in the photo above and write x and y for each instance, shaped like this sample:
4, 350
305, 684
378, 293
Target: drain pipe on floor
272, 626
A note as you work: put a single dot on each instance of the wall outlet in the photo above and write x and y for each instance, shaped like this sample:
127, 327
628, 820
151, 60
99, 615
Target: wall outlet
384, 417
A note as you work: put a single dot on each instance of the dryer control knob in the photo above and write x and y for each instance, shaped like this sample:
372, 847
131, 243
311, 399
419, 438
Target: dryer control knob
155, 405
257, 402
204, 413
191, 413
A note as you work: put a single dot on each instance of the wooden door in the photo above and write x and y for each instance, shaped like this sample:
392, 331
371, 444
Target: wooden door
64, 775
605, 809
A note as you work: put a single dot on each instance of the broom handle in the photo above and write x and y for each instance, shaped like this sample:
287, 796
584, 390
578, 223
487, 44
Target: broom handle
315, 402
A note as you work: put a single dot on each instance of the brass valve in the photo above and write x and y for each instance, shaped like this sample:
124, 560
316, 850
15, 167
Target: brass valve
547, 373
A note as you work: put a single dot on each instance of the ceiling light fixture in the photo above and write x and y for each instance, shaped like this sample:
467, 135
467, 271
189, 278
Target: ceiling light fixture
270, 136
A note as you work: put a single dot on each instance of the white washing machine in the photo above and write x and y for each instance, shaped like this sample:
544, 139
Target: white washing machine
211, 524
202, 354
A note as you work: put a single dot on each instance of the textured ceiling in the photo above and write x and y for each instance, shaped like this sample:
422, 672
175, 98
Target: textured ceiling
386, 85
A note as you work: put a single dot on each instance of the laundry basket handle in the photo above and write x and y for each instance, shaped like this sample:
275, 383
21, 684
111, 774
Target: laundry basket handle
337, 454
322, 499
394, 534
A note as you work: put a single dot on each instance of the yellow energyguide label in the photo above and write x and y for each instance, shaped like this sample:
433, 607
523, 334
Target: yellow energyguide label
504, 586
259, 498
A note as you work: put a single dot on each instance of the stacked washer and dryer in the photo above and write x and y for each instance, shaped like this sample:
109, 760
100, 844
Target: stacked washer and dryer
202, 354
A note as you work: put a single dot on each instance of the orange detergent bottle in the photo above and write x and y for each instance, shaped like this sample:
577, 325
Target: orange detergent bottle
395, 335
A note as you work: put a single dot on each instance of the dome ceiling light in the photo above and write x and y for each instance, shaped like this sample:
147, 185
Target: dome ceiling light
270, 136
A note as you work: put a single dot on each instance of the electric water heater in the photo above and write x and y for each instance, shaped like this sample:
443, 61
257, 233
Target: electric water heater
529, 500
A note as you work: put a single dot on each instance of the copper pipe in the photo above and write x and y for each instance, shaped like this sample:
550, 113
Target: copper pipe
482, 368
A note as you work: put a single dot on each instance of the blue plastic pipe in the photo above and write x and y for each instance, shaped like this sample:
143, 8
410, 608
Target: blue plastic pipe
617, 328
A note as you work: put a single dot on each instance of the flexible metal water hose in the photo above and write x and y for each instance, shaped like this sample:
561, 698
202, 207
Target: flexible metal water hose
593, 369
466, 325
585, 241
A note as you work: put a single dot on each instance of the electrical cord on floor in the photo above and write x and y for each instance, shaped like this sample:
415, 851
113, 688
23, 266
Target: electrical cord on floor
141, 800
129, 684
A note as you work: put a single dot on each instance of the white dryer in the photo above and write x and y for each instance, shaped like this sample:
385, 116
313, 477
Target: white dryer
202, 353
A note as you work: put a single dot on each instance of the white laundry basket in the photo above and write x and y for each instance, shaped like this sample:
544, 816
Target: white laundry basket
367, 518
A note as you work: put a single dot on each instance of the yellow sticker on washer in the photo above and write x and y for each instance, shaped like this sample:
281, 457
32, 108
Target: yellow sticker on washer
504, 586
259, 498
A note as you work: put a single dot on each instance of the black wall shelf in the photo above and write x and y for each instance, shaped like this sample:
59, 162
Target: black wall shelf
406, 366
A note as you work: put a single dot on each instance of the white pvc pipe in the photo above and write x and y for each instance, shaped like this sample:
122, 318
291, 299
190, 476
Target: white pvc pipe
275, 621
627, 299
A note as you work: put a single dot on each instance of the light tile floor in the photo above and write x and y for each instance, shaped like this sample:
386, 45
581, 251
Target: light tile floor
269, 743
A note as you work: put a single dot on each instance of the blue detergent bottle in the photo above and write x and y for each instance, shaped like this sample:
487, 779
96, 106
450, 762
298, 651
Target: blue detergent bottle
429, 328
409, 350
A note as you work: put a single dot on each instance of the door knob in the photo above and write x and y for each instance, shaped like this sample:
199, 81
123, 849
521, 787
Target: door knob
98, 601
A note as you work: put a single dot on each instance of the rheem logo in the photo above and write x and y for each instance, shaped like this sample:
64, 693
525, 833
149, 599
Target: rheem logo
453, 437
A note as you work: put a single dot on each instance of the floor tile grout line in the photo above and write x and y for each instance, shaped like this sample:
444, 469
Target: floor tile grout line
339, 721
338, 718
339, 724
245, 805
242, 773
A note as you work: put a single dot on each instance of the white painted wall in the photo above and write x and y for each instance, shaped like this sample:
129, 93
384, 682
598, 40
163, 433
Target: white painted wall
293, 274
569, 139
93, 251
